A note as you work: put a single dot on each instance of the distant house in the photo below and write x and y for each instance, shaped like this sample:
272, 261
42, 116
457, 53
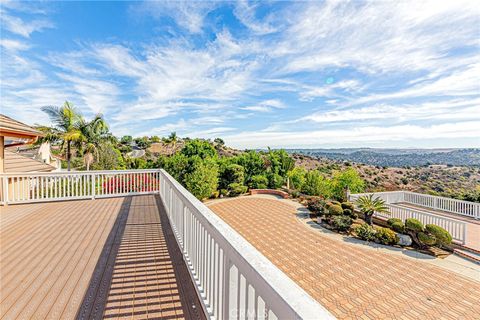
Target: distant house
14, 157
40, 154
14, 133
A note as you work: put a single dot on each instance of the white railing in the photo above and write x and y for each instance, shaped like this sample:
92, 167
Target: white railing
57, 186
388, 197
465, 208
234, 280
457, 228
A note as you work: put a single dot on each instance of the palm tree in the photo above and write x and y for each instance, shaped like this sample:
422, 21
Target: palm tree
173, 139
66, 127
368, 206
94, 133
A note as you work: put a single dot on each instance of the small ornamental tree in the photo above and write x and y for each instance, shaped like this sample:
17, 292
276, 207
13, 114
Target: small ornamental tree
346, 179
202, 182
316, 184
368, 205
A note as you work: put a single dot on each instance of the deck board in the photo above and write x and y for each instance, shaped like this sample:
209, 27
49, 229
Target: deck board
108, 258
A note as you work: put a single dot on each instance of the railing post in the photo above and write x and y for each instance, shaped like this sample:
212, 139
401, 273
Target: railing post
93, 186
5, 190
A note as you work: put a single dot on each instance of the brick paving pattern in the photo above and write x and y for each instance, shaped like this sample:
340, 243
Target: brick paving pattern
351, 282
108, 258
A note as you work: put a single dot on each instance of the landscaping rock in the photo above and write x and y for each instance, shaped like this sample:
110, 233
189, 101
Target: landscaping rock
404, 239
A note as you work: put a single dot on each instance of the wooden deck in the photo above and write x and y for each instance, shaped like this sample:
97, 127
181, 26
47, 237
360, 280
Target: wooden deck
108, 258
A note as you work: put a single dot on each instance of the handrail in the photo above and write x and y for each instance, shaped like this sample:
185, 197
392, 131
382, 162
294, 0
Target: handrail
75, 185
461, 207
233, 279
457, 228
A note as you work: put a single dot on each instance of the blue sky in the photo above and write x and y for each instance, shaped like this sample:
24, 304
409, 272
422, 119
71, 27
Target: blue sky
258, 74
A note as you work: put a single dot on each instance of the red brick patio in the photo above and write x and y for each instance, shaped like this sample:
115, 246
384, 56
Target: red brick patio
351, 282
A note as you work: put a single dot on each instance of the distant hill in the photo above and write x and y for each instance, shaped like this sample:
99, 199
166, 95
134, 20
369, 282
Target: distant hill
398, 157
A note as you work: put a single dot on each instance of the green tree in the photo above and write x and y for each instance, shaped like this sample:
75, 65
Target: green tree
109, 158
346, 179
368, 205
200, 148
253, 164
66, 129
231, 173
258, 182
94, 133
316, 184
219, 143
202, 182
126, 140
297, 177
172, 139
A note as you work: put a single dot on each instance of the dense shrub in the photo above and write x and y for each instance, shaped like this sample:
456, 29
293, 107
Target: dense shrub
258, 182
202, 182
231, 173
386, 236
297, 177
316, 185
398, 227
396, 224
365, 232
348, 205
236, 189
391, 221
426, 239
414, 225
335, 210
442, 236
341, 223
275, 181
316, 205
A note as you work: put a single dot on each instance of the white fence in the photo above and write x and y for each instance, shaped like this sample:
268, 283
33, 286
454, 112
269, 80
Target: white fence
465, 208
56, 186
457, 228
234, 280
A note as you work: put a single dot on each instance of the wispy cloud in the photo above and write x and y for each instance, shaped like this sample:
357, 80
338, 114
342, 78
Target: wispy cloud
289, 73
21, 27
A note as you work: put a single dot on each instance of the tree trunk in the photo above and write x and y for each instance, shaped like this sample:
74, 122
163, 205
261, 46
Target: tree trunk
368, 218
69, 155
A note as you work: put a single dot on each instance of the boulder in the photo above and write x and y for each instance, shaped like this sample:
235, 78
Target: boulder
404, 239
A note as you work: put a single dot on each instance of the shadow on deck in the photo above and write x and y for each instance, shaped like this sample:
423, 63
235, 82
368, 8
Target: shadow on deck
109, 258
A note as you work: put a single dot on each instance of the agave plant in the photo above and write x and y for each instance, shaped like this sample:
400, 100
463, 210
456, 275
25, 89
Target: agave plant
368, 205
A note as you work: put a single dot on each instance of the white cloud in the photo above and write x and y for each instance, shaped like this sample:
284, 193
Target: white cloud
20, 27
13, 45
265, 106
391, 136
246, 14
444, 109
378, 36
187, 14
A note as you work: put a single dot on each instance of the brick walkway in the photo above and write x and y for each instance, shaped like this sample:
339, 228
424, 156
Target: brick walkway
351, 282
